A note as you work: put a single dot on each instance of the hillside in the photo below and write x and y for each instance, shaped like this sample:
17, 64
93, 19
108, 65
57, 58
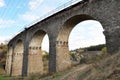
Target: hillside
3, 51
106, 69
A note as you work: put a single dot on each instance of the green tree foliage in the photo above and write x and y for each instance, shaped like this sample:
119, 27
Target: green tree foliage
72, 55
95, 48
46, 56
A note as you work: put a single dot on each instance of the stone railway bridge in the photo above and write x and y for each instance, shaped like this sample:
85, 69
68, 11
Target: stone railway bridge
24, 49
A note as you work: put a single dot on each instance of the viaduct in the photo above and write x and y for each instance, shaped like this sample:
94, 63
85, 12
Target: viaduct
24, 50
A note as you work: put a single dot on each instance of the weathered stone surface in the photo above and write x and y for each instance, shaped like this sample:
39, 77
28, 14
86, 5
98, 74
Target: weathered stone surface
35, 63
62, 57
59, 26
8, 60
17, 59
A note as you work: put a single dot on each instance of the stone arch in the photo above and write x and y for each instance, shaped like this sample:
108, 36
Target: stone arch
18, 58
70, 23
35, 63
62, 49
9, 60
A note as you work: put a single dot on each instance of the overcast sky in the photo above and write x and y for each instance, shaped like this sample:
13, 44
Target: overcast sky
15, 15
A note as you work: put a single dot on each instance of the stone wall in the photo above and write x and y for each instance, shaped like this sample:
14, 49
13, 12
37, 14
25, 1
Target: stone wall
35, 63
62, 56
18, 59
8, 61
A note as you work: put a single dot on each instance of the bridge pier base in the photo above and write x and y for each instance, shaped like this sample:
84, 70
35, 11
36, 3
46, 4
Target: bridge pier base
63, 61
112, 40
35, 63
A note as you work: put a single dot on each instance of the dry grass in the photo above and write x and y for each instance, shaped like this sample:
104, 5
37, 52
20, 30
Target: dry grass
106, 69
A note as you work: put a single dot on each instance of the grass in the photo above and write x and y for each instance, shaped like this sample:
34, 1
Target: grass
55, 76
103, 67
3, 77
2, 74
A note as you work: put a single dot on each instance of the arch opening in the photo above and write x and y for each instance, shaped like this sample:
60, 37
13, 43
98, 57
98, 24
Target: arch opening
45, 53
18, 58
45, 43
36, 62
63, 44
86, 33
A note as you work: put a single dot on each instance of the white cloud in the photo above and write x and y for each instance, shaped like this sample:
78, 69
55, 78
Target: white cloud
6, 23
5, 38
32, 15
2, 21
2, 3
28, 17
39, 8
35, 11
34, 4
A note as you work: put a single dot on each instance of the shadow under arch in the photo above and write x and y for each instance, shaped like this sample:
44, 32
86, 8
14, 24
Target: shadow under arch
62, 48
35, 56
18, 58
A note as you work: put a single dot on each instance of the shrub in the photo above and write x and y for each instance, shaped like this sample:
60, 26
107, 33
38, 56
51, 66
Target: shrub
46, 57
104, 50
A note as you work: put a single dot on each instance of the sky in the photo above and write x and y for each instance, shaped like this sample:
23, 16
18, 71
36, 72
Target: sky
15, 15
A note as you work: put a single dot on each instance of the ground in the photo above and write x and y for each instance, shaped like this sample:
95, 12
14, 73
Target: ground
106, 68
